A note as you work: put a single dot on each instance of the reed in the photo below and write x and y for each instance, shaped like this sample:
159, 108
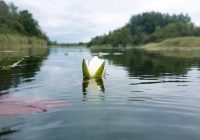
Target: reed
10, 41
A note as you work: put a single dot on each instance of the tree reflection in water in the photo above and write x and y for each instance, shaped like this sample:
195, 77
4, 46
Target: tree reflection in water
30, 63
140, 63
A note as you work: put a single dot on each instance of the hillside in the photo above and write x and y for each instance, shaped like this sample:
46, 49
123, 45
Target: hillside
148, 27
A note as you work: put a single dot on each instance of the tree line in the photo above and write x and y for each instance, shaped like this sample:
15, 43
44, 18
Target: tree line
14, 21
149, 27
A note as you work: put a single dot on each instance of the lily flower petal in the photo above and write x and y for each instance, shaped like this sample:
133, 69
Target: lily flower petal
86, 72
100, 71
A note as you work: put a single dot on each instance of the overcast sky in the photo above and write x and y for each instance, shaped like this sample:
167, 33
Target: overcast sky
80, 20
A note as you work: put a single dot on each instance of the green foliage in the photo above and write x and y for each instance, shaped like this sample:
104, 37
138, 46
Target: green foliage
147, 22
7, 41
13, 21
180, 42
176, 29
118, 37
149, 27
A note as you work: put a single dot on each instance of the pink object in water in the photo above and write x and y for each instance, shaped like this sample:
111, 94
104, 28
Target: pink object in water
13, 109
26, 105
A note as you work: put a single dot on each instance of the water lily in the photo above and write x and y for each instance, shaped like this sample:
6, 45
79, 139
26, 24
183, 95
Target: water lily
94, 68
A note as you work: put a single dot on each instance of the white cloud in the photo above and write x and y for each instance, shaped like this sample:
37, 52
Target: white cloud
79, 20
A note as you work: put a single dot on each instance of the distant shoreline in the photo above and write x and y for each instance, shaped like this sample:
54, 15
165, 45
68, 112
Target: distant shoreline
188, 42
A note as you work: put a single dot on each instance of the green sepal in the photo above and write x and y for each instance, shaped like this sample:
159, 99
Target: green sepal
85, 69
100, 71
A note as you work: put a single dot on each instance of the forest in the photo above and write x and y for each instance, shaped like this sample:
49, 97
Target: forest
149, 27
18, 23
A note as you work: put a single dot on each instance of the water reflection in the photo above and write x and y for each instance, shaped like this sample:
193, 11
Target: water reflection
7, 131
20, 66
149, 64
95, 86
136, 99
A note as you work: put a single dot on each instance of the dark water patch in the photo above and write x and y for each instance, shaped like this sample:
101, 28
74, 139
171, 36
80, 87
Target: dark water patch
7, 131
156, 82
136, 91
182, 85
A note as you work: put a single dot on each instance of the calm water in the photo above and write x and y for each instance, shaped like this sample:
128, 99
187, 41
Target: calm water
144, 96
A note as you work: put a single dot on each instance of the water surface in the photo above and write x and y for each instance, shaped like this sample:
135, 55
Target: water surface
144, 96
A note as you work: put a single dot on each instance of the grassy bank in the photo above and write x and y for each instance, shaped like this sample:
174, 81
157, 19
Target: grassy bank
175, 43
8, 41
182, 47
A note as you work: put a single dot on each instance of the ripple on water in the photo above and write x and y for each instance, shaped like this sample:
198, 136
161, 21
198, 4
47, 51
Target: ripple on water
143, 96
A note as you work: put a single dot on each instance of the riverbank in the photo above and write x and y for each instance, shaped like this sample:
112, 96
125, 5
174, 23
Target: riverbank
181, 47
187, 43
9, 41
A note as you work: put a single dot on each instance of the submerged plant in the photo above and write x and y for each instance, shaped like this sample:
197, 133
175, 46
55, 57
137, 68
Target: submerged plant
93, 69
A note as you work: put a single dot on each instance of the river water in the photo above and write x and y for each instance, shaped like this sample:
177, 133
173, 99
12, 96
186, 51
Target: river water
144, 95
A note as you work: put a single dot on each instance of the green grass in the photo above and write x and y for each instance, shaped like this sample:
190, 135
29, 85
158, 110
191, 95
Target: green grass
175, 43
10, 41
182, 47
181, 42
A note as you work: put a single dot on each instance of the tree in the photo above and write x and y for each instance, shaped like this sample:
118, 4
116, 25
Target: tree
149, 27
13, 21
13, 9
4, 12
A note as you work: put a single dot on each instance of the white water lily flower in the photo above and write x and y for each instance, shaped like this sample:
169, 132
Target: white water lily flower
94, 68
